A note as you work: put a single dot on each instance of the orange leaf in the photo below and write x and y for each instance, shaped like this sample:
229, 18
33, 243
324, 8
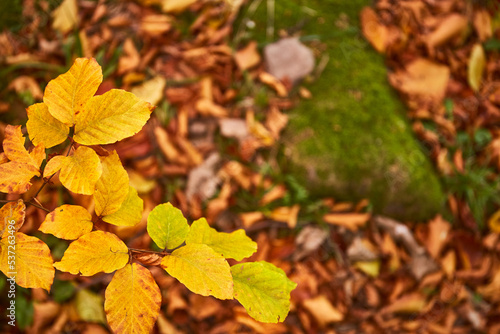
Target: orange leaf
350, 220
12, 214
15, 177
13, 146
33, 264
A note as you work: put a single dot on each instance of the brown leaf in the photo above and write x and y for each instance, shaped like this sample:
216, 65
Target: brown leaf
322, 310
352, 221
422, 79
438, 236
247, 57
449, 27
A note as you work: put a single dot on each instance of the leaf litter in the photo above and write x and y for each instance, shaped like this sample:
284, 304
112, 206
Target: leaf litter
209, 144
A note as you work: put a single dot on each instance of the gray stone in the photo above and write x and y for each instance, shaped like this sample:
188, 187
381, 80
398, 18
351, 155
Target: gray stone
289, 59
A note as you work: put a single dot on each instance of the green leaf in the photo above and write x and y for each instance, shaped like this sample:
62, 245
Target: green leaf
90, 306
129, 213
167, 226
62, 290
263, 289
235, 245
201, 270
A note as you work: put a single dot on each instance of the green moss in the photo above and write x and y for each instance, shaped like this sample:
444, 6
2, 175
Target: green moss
352, 140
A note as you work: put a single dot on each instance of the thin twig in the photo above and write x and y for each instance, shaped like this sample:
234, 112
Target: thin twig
38, 206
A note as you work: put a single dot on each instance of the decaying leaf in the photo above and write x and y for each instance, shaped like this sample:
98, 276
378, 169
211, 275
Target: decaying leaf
323, 310
373, 30
476, 66
65, 16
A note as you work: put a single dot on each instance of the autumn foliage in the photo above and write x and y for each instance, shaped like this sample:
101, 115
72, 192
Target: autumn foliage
194, 254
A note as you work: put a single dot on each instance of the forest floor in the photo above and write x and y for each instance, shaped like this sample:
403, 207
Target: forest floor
213, 149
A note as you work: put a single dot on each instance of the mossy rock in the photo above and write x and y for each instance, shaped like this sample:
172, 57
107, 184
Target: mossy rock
352, 140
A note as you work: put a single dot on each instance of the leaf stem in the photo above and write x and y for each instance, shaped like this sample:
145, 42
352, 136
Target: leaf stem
147, 251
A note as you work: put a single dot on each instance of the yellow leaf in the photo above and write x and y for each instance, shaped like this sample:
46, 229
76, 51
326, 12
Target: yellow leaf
33, 264
151, 90
132, 300
371, 268
94, 252
80, 171
15, 177
201, 270
54, 165
112, 187
323, 310
13, 146
38, 155
65, 16
111, 117
12, 214
493, 222
235, 245
130, 212
90, 306
176, 6
477, 63
67, 222
67, 95
43, 128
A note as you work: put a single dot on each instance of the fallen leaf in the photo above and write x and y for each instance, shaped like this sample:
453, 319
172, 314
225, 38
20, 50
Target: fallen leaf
274, 83
449, 27
373, 30
65, 16
476, 66
352, 221
247, 57
423, 79
151, 91
322, 310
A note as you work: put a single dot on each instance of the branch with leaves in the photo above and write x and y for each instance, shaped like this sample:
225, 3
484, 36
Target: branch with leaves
194, 254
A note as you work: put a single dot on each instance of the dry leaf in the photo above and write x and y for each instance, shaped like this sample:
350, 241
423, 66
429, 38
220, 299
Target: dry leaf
422, 79
247, 57
352, 221
65, 16
449, 27
322, 310
373, 30
476, 66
